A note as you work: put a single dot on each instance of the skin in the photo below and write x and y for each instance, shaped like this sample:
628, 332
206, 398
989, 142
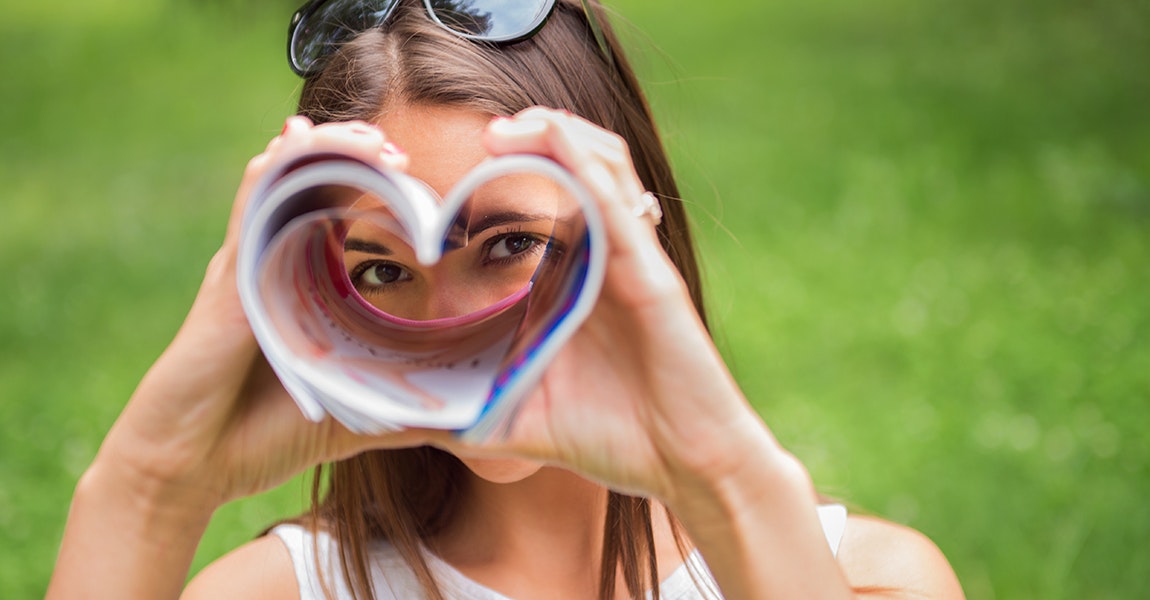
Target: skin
662, 417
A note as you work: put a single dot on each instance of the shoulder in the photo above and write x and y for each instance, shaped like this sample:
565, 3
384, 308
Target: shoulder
885, 560
261, 568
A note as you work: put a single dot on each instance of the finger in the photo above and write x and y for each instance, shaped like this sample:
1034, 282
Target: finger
357, 140
567, 139
598, 158
641, 275
217, 313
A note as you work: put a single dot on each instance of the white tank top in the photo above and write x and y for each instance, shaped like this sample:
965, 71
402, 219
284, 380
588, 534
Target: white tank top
394, 579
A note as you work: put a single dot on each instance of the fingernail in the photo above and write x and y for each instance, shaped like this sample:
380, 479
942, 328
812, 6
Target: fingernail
498, 124
364, 129
505, 126
293, 119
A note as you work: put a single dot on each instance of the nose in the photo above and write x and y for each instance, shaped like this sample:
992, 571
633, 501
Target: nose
448, 297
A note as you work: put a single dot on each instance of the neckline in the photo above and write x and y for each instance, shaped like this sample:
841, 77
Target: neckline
831, 516
680, 584
449, 576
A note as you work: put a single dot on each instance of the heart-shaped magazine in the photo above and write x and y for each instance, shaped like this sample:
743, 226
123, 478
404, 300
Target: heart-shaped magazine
382, 305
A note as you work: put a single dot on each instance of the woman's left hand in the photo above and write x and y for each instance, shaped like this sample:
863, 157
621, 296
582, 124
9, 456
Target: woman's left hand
639, 399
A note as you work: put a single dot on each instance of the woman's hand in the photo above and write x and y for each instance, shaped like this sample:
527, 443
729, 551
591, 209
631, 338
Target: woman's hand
210, 415
209, 422
639, 397
641, 400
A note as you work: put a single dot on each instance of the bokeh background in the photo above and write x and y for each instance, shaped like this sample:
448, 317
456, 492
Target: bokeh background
925, 225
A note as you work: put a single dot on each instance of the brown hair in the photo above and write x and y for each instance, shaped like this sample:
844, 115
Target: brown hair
407, 496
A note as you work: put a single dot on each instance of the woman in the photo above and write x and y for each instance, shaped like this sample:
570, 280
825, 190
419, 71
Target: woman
635, 460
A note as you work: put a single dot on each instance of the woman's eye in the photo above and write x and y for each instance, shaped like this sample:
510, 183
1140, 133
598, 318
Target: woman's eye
511, 245
382, 273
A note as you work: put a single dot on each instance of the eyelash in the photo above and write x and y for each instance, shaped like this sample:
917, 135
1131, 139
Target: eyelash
540, 244
552, 251
365, 288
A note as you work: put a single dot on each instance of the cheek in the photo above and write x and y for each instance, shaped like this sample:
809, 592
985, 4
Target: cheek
501, 470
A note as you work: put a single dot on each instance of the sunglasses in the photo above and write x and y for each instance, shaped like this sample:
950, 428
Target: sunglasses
319, 27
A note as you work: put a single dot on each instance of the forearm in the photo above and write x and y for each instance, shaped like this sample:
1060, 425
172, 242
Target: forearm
126, 538
756, 525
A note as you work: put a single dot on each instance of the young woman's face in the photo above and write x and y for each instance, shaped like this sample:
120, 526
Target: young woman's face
495, 250
507, 227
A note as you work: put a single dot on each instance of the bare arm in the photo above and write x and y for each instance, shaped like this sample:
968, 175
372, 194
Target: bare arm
124, 540
761, 539
209, 423
663, 417
757, 527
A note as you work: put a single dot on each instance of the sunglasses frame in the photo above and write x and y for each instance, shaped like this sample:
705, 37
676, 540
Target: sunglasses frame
307, 10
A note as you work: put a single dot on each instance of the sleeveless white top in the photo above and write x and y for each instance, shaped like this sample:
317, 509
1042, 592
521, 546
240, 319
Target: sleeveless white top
394, 580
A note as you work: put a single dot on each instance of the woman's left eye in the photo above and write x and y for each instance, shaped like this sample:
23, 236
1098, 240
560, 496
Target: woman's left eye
511, 245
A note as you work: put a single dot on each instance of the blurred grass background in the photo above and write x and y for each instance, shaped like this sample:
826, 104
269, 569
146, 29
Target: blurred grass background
925, 226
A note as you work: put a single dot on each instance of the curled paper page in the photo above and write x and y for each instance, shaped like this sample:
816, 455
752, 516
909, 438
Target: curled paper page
385, 307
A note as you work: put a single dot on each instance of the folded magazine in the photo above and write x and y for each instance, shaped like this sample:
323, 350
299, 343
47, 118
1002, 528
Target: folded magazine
385, 306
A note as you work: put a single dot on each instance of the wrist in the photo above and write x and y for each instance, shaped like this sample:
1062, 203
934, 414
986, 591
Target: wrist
158, 505
743, 470
127, 537
755, 523
154, 477
720, 442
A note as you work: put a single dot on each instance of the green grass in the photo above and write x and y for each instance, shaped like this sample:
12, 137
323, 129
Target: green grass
925, 226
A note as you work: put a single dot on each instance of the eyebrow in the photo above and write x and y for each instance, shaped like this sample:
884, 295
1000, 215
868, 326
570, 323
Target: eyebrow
487, 222
358, 245
504, 217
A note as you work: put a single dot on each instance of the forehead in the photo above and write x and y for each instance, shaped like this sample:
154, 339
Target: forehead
443, 143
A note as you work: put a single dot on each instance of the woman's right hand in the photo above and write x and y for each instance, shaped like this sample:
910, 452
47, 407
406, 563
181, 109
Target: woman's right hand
210, 421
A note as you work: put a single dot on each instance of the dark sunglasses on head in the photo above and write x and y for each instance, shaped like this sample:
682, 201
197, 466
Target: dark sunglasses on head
319, 27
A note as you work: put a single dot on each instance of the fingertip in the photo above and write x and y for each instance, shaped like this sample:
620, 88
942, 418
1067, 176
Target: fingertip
397, 162
295, 123
367, 129
514, 135
516, 127
543, 112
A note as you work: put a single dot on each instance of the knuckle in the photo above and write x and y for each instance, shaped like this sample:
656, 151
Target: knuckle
537, 112
617, 143
360, 126
221, 265
665, 282
256, 165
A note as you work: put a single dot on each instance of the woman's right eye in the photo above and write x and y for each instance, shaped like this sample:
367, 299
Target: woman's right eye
377, 274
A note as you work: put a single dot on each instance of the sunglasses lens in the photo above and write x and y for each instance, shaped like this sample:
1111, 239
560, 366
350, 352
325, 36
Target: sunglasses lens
492, 20
331, 24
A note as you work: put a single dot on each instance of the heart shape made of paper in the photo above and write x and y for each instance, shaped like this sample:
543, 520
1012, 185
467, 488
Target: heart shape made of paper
385, 307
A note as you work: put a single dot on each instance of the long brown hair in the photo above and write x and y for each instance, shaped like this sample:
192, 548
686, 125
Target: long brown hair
407, 496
